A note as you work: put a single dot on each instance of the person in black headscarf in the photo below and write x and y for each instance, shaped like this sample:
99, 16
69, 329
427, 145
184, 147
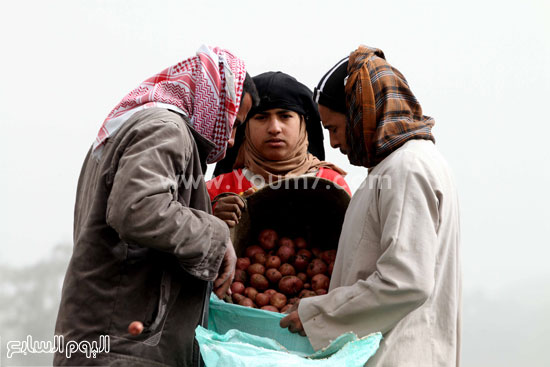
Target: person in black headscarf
282, 138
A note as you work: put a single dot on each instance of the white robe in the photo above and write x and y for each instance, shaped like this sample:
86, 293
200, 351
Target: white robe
397, 268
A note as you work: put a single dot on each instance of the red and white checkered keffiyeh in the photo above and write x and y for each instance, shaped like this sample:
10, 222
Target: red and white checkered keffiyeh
207, 88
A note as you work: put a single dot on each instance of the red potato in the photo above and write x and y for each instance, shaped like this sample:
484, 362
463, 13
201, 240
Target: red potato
251, 293
293, 300
262, 299
241, 276
237, 297
259, 258
320, 281
270, 308
316, 251
307, 293
300, 243
302, 277
268, 239
246, 302
273, 262
285, 308
273, 275
305, 253
259, 282
301, 263
290, 285
328, 256
253, 250
307, 286
243, 263
316, 266
135, 328
256, 269
270, 292
278, 300
330, 268
285, 241
237, 287
287, 269
321, 291
285, 253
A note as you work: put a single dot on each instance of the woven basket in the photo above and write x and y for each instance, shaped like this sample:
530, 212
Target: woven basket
304, 206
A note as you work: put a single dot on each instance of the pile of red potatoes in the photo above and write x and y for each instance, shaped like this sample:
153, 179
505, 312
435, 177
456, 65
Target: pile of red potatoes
277, 272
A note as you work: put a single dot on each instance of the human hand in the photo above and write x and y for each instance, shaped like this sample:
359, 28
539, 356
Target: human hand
292, 321
226, 272
248, 192
229, 209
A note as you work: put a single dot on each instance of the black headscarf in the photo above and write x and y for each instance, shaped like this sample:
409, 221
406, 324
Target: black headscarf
330, 91
280, 90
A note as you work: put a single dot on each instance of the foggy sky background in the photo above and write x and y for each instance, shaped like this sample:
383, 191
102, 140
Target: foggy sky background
480, 68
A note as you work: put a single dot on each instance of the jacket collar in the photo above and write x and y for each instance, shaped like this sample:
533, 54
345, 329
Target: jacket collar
204, 145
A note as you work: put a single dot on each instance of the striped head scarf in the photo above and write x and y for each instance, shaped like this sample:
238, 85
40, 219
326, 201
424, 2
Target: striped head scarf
383, 113
207, 88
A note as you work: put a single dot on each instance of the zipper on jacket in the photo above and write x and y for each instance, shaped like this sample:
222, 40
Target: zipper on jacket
165, 285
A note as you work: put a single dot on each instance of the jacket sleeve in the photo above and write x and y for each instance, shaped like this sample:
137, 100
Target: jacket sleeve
404, 275
143, 206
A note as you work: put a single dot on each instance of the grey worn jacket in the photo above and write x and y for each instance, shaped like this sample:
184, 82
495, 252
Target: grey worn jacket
145, 246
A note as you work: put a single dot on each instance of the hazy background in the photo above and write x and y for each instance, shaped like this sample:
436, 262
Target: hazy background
480, 68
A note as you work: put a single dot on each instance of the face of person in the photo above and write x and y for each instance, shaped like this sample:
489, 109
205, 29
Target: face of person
275, 133
335, 123
245, 107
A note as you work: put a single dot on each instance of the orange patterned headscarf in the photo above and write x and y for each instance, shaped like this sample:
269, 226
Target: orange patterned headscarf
383, 113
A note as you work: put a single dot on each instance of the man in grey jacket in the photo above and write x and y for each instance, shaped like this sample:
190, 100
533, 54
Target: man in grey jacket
147, 250
397, 268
